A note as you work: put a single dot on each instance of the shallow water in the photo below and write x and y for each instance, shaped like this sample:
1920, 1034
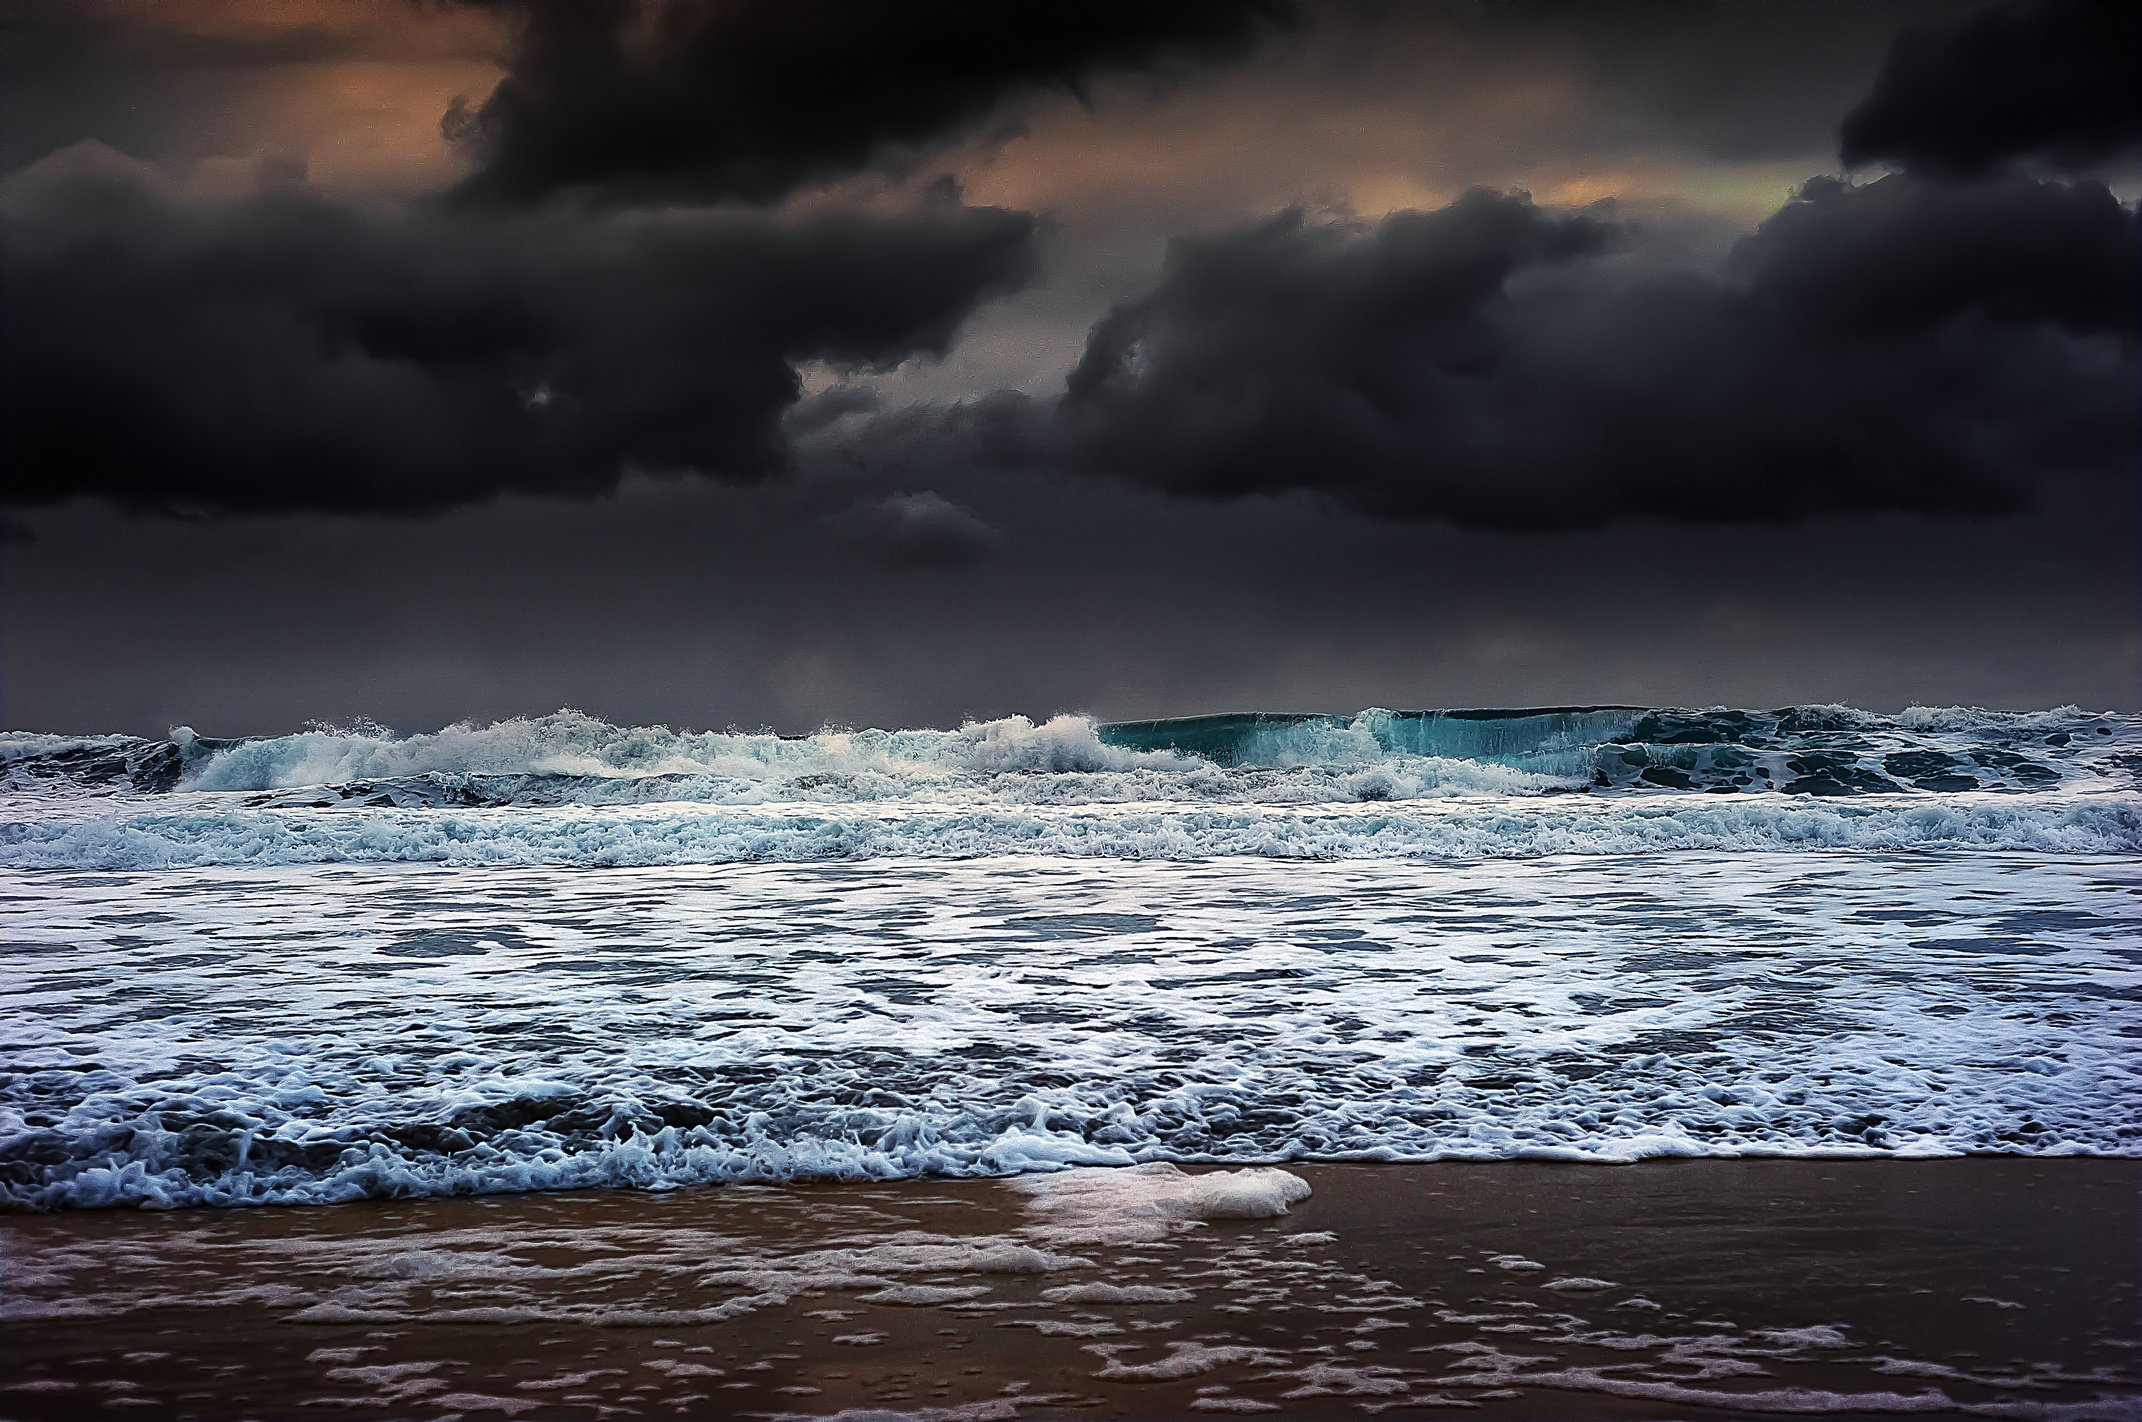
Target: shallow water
296, 1034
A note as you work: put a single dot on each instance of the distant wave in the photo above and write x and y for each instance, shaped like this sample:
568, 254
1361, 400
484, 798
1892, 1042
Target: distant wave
1376, 755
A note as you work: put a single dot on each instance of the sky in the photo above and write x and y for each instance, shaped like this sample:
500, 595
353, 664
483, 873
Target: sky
845, 362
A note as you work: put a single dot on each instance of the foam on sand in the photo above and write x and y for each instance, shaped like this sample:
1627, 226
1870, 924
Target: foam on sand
896, 1296
1187, 1359
1145, 1202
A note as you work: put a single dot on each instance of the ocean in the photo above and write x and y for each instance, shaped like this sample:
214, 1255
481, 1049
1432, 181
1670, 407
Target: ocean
557, 953
1578, 1062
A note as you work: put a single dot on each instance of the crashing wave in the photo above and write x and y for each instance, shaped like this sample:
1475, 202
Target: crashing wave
569, 758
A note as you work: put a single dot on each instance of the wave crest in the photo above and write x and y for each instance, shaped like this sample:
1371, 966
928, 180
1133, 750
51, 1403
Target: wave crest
573, 744
570, 758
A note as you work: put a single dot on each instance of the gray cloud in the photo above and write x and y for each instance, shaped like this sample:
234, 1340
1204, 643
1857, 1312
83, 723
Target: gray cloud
2056, 81
1897, 345
282, 350
752, 101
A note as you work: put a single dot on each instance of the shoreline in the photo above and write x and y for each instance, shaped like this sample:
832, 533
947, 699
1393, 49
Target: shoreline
2002, 1285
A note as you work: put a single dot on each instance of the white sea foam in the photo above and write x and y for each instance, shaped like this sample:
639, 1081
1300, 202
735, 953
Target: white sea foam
310, 1034
192, 834
1145, 1201
1231, 1402
1103, 1293
1187, 1359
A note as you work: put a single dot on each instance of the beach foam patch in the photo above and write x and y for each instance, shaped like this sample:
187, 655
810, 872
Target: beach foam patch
1144, 1202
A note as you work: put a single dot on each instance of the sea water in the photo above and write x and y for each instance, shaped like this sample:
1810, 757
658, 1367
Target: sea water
556, 953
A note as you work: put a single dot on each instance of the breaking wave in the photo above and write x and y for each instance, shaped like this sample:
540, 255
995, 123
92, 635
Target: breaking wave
1377, 784
569, 757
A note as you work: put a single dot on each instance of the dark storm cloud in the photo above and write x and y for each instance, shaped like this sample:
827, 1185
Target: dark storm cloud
1897, 345
1938, 342
284, 351
753, 100
2058, 81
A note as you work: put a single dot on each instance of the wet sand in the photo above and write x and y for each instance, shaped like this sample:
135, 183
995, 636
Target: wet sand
2005, 1287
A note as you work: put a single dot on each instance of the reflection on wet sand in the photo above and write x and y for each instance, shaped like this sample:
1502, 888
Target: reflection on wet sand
1998, 1287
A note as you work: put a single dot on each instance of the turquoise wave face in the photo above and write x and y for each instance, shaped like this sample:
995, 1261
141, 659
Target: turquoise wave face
1557, 741
1813, 750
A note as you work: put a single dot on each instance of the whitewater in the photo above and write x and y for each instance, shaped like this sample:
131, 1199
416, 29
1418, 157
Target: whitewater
552, 952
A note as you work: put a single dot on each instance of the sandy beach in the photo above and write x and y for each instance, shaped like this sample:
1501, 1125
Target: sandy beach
1999, 1287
